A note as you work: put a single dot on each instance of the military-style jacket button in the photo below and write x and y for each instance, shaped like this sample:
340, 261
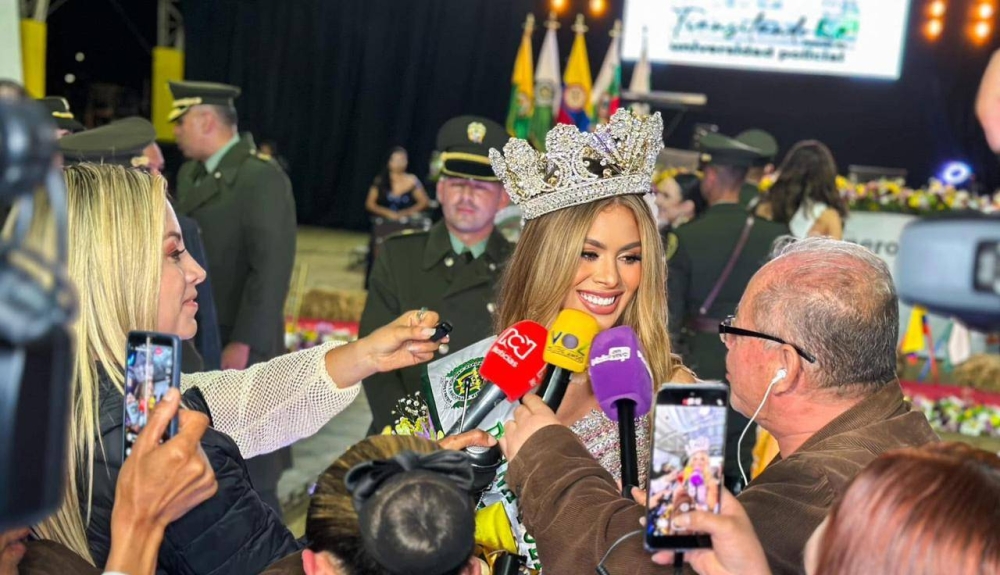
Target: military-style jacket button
493, 267
491, 307
449, 261
218, 175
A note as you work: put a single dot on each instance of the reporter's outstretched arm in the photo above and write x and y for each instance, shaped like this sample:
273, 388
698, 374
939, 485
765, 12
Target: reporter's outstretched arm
570, 504
270, 405
988, 102
157, 485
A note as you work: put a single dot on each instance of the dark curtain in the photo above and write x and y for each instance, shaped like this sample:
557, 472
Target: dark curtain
338, 82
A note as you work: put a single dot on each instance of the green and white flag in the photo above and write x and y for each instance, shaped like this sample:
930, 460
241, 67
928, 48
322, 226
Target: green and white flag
454, 380
548, 89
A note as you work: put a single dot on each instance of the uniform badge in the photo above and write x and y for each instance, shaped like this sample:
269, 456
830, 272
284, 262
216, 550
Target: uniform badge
476, 132
671, 247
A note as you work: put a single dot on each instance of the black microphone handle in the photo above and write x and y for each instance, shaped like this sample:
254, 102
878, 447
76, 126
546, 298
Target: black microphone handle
555, 387
626, 438
478, 409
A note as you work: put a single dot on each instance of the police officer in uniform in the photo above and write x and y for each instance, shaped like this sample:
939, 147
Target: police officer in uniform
66, 123
451, 268
764, 165
244, 205
711, 261
129, 143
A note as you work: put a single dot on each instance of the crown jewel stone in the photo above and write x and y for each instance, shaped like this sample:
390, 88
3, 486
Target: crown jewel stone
580, 167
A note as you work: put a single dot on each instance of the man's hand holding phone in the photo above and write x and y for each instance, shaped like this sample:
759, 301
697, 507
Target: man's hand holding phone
158, 484
735, 547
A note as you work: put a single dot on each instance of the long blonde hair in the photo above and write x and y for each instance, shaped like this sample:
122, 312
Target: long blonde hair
116, 222
545, 261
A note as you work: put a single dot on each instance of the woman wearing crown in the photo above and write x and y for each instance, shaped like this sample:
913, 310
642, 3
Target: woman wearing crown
590, 243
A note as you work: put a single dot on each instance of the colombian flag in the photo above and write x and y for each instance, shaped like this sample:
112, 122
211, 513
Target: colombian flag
576, 106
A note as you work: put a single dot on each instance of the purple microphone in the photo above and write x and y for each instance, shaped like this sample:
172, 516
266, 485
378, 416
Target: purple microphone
623, 385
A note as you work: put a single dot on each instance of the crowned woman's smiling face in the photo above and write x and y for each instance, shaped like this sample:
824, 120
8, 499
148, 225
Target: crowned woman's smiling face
610, 267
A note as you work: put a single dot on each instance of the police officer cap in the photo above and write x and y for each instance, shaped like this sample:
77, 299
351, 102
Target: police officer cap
763, 141
59, 109
121, 143
464, 144
725, 151
190, 94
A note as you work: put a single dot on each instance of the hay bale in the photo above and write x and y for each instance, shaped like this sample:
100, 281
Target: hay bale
980, 371
333, 305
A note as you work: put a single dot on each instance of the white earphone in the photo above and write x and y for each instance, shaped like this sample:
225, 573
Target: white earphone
778, 376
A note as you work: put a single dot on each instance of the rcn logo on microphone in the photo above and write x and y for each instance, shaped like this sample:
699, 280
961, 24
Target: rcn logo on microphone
619, 354
515, 347
568, 345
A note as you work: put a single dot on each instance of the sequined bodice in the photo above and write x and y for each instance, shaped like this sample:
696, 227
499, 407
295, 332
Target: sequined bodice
600, 436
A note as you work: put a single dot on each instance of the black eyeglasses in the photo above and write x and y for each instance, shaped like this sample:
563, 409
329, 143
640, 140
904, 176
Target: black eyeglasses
726, 329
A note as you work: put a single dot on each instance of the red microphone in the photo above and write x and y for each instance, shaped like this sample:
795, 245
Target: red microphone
513, 365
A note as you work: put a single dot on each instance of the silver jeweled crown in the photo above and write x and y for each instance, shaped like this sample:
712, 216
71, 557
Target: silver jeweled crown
580, 167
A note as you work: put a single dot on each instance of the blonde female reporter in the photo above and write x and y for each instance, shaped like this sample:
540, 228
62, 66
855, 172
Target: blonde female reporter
128, 261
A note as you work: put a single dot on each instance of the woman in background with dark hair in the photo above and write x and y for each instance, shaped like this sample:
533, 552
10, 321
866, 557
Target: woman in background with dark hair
805, 195
396, 194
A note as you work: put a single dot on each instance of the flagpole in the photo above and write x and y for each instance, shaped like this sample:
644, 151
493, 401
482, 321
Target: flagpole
552, 23
529, 24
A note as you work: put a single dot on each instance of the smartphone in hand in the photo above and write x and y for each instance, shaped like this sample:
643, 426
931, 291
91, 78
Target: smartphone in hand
152, 366
689, 441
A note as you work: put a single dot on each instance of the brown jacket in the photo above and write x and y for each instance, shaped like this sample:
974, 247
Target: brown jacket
574, 510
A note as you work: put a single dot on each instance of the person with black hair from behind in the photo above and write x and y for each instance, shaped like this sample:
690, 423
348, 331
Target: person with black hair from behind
390, 505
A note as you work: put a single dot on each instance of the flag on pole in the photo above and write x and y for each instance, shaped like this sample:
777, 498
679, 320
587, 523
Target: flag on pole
548, 91
640, 77
522, 92
914, 340
576, 107
959, 344
607, 95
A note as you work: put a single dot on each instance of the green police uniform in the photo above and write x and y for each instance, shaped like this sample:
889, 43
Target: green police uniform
702, 250
61, 114
246, 211
422, 269
768, 146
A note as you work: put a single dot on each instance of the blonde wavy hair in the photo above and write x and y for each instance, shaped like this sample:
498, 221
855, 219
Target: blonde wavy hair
544, 264
116, 222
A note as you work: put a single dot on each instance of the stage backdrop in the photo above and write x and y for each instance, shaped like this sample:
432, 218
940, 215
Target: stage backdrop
337, 82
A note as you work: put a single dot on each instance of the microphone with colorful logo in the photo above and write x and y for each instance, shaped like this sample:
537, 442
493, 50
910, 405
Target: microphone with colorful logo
512, 366
623, 386
566, 351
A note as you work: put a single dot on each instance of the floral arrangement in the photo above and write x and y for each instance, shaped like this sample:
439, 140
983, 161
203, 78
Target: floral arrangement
893, 196
954, 415
306, 334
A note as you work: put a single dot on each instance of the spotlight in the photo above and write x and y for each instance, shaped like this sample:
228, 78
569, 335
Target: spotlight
937, 9
597, 7
558, 5
981, 18
933, 29
956, 173
982, 30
